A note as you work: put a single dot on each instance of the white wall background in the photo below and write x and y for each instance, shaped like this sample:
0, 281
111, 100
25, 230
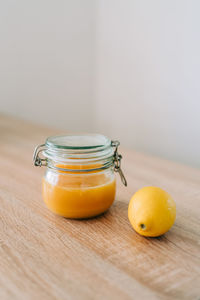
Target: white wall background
148, 75
126, 68
46, 61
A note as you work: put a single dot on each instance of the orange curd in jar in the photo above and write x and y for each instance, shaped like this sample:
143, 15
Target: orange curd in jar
79, 181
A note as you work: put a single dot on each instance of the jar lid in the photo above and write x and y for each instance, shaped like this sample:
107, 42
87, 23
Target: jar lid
82, 148
79, 142
79, 149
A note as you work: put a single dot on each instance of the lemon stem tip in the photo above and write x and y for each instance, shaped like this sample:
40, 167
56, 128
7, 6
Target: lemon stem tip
142, 226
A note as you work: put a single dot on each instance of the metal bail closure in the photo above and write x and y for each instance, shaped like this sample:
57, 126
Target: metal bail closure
37, 160
117, 162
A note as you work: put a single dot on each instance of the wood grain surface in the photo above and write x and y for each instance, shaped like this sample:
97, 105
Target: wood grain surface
43, 256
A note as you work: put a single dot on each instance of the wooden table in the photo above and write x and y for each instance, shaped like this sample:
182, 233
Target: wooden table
43, 256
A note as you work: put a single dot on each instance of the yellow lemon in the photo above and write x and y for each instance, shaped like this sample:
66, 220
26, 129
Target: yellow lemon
151, 211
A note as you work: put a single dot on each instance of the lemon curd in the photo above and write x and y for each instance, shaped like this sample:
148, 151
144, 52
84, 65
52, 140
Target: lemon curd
74, 195
79, 181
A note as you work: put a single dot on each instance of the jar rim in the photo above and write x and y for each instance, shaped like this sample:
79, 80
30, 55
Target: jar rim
83, 141
78, 148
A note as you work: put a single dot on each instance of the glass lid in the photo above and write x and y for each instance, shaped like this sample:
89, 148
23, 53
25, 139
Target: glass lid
78, 141
80, 149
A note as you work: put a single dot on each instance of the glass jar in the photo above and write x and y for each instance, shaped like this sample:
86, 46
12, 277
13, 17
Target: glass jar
79, 181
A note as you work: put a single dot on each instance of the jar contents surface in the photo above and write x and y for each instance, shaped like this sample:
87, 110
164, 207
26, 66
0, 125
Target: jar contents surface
78, 195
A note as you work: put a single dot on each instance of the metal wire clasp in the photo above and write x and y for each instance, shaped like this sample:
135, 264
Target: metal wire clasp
117, 161
37, 160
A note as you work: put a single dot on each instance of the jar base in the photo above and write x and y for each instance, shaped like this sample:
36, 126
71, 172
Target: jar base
79, 216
